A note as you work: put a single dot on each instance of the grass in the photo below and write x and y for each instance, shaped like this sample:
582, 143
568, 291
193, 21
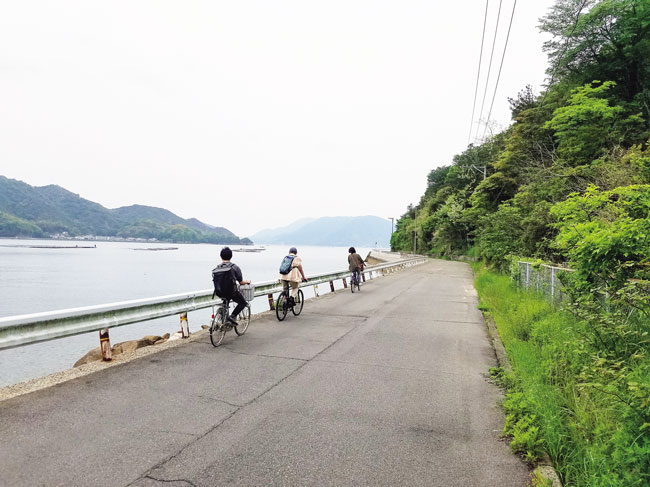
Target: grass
591, 436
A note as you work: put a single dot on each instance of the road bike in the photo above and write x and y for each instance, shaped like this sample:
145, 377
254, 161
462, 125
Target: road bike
283, 304
355, 280
220, 324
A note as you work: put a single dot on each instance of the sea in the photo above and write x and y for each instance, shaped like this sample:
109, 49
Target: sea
47, 275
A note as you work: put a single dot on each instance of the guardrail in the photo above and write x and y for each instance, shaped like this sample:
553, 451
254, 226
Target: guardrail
16, 331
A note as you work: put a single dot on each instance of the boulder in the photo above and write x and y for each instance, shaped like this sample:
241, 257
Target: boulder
133, 345
123, 347
92, 356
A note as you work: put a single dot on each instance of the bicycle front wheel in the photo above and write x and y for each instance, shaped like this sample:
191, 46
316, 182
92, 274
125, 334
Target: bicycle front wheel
281, 307
243, 320
300, 299
217, 329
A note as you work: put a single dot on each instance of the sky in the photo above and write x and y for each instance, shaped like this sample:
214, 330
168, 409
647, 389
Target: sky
254, 114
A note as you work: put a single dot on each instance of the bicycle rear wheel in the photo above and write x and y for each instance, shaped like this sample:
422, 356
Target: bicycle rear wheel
281, 307
300, 299
243, 320
217, 329
352, 283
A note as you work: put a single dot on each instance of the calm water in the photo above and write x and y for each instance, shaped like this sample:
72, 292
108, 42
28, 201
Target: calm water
34, 280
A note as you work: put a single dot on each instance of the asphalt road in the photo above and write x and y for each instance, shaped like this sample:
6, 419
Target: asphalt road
383, 387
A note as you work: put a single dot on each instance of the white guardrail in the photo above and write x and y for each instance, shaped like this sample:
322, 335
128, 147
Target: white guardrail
16, 331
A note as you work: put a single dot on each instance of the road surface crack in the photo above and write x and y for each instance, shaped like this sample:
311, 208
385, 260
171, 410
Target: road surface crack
170, 481
197, 438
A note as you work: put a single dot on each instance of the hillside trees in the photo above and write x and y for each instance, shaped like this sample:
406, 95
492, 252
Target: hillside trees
591, 128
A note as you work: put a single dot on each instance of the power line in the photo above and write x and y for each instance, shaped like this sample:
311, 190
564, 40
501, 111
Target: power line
500, 66
478, 75
487, 81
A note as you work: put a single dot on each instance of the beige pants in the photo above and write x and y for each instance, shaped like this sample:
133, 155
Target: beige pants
294, 287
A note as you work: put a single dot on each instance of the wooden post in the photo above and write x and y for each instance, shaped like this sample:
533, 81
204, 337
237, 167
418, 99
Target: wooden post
345, 283
105, 344
185, 326
332, 286
363, 276
271, 304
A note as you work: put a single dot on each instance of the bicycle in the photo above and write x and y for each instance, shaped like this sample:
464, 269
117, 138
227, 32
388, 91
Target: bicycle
282, 305
355, 280
220, 325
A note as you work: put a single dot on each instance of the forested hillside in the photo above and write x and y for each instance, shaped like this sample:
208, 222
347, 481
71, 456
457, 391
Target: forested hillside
28, 211
568, 182
591, 128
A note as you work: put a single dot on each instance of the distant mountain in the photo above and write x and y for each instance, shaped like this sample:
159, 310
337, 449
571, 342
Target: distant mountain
269, 235
51, 210
359, 231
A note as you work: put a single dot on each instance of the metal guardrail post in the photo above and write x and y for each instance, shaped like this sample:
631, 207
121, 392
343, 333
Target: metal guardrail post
345, 283
185, 326
271, 303
105, 345
332, 286
316, 291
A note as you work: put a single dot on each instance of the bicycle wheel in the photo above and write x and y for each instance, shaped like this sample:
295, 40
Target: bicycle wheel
281, 307
300, 299
243, 320
352, 283
217, 330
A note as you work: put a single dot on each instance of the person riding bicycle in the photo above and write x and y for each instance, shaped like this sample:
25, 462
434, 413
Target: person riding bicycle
294, 275
236, 275
355, 260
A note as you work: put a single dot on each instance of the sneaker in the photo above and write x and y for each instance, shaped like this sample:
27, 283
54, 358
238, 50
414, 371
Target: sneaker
231, 321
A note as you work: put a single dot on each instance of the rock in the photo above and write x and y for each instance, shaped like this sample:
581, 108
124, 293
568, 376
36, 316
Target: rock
92, 356
133, 345
205, 327
176, 336
150, 339
123, 347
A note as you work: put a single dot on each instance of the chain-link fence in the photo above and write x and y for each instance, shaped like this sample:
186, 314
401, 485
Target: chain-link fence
542, 278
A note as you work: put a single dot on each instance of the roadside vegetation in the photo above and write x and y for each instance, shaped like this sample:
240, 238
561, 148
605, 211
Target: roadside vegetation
567, 183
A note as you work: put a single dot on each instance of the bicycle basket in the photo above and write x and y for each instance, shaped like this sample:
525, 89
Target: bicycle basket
248, 291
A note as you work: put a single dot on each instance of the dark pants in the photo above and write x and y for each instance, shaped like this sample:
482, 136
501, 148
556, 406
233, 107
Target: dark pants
241, 304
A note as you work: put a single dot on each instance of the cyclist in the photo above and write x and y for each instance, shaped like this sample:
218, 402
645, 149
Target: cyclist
235, 272
294, 276
355, 261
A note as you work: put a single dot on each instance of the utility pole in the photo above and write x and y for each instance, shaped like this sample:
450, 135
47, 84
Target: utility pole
415, 232
392, 224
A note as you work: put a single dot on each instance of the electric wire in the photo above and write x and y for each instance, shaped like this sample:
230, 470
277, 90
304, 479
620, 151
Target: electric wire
487, 81
500, 66
478, 75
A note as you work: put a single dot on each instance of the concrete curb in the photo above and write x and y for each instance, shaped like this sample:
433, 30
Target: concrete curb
544, 469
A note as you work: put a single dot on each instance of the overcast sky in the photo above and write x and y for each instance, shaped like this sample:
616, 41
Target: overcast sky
252, 114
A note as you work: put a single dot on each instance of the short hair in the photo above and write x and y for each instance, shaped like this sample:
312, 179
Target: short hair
226, 253
352, 250
293, 250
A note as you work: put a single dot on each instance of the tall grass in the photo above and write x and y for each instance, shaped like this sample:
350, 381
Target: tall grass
589, 434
